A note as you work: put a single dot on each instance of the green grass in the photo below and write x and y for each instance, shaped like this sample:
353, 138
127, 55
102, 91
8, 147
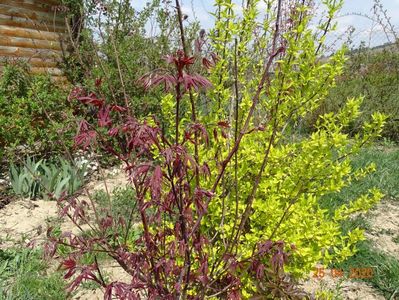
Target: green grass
24, 276
386, 178
385, 268
123, 201
387, 175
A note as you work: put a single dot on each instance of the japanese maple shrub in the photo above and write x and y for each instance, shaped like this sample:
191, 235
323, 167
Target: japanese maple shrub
227, 194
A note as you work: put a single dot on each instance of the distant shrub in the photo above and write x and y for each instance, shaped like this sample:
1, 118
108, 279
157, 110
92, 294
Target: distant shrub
118, 48
33, 112
15, 80
373, 74
122, 199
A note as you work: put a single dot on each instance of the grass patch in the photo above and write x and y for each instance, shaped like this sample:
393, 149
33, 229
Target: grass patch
385, 268
23, 276
122, 203
386, 178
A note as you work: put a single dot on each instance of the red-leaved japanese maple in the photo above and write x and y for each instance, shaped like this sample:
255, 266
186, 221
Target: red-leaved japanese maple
169, 260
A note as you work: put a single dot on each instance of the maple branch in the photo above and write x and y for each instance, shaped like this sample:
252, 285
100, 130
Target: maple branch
192, 102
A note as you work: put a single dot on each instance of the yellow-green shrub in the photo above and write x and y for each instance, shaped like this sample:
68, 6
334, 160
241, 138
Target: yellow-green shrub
294, 172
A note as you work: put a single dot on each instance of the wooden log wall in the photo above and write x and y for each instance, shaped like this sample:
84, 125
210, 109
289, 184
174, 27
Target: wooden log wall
34, 31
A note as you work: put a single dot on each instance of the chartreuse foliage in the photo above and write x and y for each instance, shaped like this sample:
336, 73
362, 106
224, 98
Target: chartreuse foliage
293, 172
372, 73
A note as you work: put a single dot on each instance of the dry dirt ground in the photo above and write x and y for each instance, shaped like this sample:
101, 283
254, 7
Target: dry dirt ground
384, 224
343, 289
26, 221
385, 228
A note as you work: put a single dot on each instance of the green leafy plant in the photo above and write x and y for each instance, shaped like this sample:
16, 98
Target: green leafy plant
15, 80
47, 180
75, 177
51, 177
274, 178
373, 74
34, 113
25, 180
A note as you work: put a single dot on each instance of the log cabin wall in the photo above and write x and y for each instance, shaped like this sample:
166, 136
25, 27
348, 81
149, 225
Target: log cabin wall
33, 30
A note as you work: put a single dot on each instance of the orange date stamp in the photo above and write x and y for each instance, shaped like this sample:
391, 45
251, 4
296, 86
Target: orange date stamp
355, 273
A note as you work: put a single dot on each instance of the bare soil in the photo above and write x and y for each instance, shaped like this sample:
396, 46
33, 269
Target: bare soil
342, 288
385, 228
26, 221
384, 224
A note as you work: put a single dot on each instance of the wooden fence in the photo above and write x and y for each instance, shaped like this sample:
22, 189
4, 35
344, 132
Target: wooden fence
33, 30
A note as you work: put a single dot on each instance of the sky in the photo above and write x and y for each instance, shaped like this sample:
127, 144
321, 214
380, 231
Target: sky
365, 30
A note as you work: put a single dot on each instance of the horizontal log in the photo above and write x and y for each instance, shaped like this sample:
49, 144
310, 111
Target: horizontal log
30, 24
39, 2
50, 71
36, 62
29, 43
51, 2
61, 81
30, 5
12, 11
29, 52
41, 70
10, 31
43, 63
42, 9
